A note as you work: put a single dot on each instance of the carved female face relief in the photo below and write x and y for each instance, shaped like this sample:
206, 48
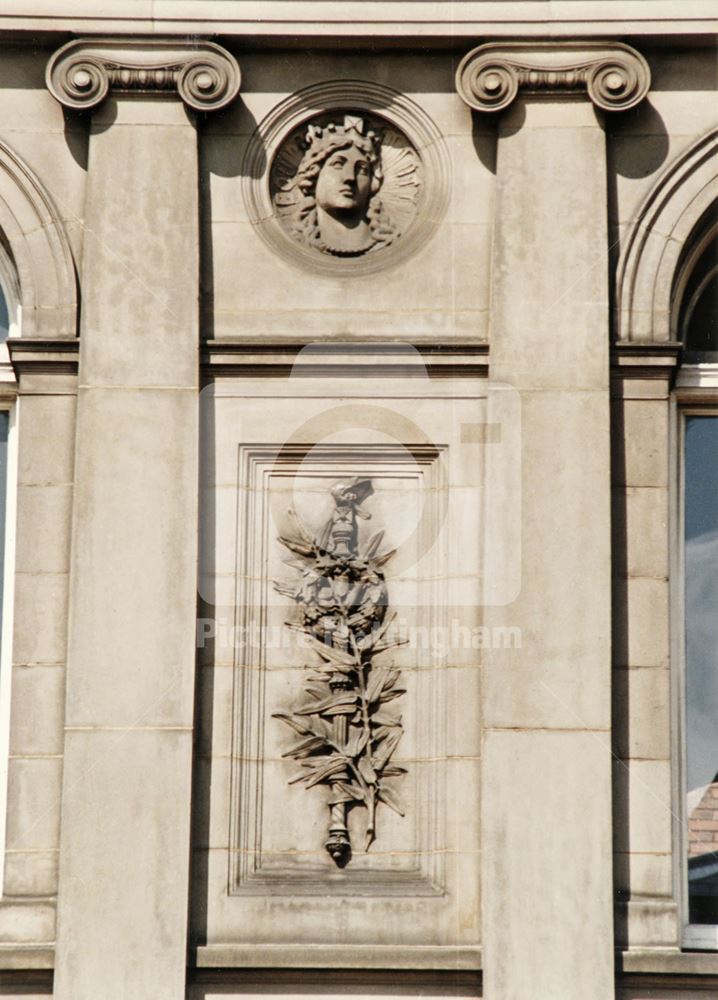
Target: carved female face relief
346, 189
344, 184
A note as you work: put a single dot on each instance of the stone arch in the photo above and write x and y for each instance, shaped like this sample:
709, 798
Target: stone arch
35, 238
656, 241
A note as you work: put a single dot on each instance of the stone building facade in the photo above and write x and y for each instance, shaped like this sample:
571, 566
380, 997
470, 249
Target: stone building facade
359, 478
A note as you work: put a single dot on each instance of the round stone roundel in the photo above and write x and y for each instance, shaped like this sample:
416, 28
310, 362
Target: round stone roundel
346, 184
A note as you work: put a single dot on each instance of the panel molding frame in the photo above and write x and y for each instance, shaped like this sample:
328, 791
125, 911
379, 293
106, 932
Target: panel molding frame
245, 875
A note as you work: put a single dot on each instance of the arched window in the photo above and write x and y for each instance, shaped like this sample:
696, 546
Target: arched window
696, 295
9, 327
695, 308
666, 438
9, 310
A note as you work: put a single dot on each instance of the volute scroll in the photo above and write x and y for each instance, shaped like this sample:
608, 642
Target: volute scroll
82, 73
614, 76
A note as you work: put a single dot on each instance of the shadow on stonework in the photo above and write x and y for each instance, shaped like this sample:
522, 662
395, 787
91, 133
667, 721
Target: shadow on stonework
483, 136
637, 141
202, 760
223, 141
206, 984
620, 691
77, 136
220, 156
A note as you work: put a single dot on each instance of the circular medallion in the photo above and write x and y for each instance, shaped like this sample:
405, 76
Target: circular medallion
346, 185
346, 178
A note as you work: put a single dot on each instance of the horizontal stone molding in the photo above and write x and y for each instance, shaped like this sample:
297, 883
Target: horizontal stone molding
221, 358
647, 360
614, 76
29, 958
327, 956
28, 354
669, 961
393, 18
82, 73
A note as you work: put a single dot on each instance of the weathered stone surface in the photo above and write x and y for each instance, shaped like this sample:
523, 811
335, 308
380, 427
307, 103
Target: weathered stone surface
34, 791
549, 340
643, 806
559, 873
128, 744
131, 799
30, 873
641, 713
36, 725
521, 257
435, 860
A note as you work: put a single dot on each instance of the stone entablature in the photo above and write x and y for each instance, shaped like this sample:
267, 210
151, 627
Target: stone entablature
391, 18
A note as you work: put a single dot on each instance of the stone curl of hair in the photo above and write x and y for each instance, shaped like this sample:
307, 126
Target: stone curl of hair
306, 223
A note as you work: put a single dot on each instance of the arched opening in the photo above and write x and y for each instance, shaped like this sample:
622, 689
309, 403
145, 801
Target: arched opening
694, 317
695, 293
9, 309
9, 327
663, 246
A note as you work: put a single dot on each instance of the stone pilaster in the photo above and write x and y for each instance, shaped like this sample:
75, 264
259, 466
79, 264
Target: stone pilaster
125, 821
646, 824
546, 806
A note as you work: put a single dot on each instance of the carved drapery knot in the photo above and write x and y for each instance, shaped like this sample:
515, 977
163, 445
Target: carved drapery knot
81, 74
615, 76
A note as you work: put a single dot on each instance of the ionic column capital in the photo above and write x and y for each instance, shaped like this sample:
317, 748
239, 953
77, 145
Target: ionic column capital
82, 73
615, 76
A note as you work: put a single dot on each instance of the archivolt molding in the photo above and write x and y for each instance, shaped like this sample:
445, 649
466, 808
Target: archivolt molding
615, 76
82, 73
38, 244
652, 251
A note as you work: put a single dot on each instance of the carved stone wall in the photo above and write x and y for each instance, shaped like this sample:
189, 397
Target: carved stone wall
268, 841
182, 247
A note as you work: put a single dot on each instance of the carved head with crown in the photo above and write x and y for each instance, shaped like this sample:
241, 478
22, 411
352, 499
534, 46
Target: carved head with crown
331, 200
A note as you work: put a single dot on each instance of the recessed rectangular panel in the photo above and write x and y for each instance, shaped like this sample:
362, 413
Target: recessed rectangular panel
340, 763
282, 827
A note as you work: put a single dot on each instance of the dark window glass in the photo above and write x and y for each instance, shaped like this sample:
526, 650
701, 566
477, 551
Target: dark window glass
699, 310
701, 634
4, 318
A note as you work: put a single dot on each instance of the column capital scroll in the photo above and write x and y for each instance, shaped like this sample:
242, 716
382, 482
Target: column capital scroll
82, 73
615, 76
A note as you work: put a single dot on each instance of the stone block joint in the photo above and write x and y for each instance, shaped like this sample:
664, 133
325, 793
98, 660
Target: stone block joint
614, 76
82, 73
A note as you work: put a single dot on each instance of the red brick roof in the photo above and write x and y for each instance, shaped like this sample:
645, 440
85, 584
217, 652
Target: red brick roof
703, 824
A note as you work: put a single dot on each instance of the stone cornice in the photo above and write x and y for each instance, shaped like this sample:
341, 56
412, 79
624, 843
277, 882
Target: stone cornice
644, 371
615, 76
294, 21
45, 355
647, 359
82, 73
223, 358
